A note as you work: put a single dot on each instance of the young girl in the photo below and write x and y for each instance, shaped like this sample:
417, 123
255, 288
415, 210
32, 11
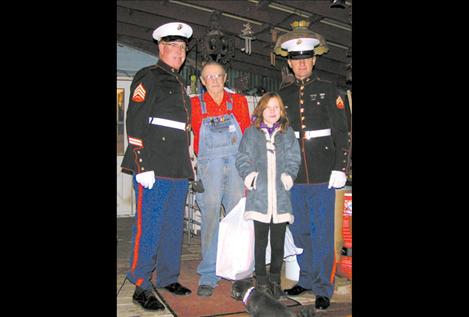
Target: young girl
268, 160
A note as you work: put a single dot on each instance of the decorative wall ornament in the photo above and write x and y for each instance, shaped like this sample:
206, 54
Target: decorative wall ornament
215, 45
274, 40
248, 36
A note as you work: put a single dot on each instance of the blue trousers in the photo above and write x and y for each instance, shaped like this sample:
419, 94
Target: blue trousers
157, 232
313, 230
223, 185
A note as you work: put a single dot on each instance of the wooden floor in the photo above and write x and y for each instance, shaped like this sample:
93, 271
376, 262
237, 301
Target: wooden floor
191, 251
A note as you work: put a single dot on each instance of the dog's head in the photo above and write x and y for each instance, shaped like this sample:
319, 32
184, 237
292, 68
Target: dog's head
239, 288
258, 304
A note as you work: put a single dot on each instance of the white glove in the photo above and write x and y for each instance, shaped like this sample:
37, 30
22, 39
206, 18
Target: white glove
287, 181
250, 180
146, 179
337, 180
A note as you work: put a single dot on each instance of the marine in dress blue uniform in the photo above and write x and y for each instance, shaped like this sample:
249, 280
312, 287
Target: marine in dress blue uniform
157, 123
316, 113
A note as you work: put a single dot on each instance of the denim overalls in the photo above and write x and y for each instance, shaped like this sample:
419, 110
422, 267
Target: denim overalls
218, 145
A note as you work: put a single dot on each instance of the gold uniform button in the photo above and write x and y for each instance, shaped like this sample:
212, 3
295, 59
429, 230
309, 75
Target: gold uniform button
140, 160
302, 110
163, 138
143, 168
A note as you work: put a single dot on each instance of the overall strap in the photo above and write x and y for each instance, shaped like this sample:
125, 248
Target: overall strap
202, 104
229, 102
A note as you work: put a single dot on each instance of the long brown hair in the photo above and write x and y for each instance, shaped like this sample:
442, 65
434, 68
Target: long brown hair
262, 104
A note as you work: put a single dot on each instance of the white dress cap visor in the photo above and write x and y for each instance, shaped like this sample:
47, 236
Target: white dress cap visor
299, 45
172, 29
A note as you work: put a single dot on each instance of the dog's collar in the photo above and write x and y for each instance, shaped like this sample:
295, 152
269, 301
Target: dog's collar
246, 295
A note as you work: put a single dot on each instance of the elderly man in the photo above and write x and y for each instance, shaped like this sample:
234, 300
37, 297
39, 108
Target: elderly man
158, 156
316, 113
219, 119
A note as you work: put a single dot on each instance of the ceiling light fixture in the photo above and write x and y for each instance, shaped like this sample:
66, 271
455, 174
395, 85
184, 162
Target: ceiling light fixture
338, 4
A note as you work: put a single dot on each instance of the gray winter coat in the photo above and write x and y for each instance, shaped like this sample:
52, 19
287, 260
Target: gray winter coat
260, 161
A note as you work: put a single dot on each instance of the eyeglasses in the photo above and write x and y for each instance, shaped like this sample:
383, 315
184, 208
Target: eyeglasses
214, 76
175, 45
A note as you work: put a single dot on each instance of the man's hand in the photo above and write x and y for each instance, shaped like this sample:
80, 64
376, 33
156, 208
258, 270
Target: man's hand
146, 179
337, 180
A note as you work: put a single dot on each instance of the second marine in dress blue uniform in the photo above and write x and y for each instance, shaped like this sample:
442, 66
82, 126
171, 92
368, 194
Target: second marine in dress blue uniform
317, 115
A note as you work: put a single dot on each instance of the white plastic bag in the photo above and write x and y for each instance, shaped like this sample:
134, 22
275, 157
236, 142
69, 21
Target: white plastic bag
235, 253
292, 269
289, 249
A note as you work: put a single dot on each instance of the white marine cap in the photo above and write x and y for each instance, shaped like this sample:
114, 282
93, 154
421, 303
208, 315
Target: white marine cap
300, 48
173, 29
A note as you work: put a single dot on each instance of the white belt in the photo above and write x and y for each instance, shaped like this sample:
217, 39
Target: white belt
314, 133
168, 123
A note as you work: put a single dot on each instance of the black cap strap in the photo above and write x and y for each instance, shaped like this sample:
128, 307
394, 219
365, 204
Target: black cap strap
173, 38
300, 54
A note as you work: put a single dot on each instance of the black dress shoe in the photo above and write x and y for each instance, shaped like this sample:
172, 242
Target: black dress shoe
322, 302
146, 299
295, 290
178, 289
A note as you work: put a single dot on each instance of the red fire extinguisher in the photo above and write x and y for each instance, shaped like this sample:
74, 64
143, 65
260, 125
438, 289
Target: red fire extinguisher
344, 268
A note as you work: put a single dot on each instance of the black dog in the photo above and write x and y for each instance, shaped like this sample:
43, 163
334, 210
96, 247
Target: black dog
259, 304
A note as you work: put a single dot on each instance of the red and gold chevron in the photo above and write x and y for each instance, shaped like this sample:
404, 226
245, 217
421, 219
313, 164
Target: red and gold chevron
339, 103
139, 93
